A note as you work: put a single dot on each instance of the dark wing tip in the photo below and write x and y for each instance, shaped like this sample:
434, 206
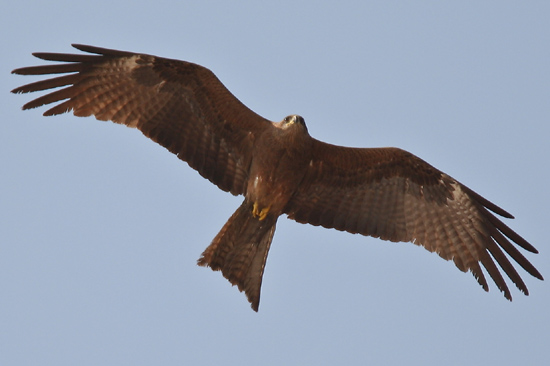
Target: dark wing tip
88, 48
101, 50
535, 273
486, 203
92, 53
20, 71
18, 90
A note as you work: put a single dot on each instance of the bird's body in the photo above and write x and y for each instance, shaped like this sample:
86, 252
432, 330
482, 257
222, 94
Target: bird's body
276, 172
280, 169
240, 249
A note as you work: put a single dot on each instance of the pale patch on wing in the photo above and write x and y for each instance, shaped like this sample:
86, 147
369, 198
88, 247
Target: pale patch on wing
454, 230
129, 62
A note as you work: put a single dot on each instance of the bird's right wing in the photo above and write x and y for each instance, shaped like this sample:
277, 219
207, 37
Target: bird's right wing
180, 105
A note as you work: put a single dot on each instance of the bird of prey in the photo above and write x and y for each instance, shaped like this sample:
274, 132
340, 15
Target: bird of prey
387, 193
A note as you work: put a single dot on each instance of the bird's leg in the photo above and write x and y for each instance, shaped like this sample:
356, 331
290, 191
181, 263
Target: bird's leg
260, 214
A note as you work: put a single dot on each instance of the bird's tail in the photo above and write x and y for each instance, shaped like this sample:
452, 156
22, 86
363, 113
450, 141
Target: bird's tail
240, 251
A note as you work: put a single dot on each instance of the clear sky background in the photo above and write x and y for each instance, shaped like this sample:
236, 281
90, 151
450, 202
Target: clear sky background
100, 228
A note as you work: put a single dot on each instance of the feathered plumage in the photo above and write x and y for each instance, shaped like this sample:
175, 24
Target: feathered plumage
279, 168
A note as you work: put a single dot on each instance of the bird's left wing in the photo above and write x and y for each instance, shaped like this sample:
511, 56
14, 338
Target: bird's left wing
180, 105
394, 195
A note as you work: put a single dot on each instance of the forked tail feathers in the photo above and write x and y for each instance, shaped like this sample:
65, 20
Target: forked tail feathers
240, 251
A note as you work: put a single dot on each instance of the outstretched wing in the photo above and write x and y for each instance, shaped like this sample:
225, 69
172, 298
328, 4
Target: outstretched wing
393, 195
180, 105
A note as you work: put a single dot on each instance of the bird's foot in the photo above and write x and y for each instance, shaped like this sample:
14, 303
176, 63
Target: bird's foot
260, 214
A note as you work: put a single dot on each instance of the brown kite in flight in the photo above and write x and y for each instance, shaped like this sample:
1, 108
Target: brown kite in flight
279, 168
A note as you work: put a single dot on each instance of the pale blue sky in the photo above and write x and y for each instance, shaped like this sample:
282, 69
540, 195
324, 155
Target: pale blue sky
100, 228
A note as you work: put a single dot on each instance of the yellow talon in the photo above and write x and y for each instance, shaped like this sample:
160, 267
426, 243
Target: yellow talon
260, 214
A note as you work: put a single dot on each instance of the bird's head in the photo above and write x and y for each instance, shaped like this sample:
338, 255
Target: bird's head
292, 121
